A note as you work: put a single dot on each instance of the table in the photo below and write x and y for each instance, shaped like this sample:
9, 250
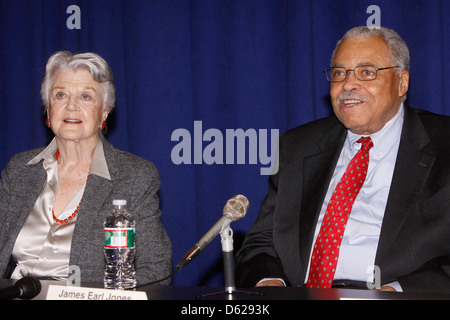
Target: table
197, 293
278, 293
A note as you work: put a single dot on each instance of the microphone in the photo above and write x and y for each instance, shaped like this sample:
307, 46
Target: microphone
25, 288
234, 209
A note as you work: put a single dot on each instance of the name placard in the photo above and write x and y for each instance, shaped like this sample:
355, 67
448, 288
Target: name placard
56, 292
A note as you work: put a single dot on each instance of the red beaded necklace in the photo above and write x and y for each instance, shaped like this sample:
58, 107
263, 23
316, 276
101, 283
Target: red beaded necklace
71, 217
74, 214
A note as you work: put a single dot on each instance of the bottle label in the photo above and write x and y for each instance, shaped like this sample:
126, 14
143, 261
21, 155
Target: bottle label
119, 237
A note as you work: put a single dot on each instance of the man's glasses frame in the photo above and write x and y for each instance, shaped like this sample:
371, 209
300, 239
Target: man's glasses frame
363, 73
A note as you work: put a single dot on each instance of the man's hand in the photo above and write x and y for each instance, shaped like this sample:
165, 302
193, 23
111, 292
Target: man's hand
386, 288
270, 283
278, 283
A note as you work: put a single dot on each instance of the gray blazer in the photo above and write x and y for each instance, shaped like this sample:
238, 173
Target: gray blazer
132, 178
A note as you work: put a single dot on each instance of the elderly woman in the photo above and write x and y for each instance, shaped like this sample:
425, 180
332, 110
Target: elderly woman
53, 200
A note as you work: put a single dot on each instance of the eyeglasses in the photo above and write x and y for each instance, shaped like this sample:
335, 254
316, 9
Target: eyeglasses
363, 73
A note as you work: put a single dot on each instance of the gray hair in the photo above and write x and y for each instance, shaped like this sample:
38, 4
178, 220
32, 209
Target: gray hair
92, 62
397, 46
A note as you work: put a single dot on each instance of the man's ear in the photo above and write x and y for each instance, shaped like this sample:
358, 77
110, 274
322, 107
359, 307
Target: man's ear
404, 83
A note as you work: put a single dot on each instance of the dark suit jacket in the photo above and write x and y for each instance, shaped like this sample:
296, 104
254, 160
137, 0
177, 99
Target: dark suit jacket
132, 178
414, 244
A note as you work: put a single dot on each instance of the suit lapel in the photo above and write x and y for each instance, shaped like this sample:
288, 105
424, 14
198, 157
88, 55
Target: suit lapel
91, 216
411, 171
34, 182
317, 172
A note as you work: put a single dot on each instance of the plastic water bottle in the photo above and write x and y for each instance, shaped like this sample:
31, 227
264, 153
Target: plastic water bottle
120, 230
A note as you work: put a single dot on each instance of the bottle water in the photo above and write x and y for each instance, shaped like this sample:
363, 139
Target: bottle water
120, 230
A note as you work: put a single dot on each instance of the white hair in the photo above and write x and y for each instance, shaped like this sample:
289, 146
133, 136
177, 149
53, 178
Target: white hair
396, 45
92, 62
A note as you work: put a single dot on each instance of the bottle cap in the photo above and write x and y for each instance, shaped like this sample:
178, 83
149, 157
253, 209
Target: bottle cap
119, 202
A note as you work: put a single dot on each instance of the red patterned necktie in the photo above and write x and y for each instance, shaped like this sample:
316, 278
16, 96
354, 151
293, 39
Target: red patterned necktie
326, 249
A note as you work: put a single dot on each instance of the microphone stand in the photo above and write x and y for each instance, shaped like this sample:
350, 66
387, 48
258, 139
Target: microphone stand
226, 236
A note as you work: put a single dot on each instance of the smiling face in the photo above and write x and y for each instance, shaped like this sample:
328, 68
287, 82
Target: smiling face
364, 107
76, 109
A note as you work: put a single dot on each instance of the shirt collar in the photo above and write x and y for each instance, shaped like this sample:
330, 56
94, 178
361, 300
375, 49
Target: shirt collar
99, 166
386, 138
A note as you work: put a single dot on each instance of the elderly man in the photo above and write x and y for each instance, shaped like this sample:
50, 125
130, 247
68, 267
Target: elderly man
361, 199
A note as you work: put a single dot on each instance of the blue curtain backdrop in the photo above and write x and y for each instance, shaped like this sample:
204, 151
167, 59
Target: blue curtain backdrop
202, 67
